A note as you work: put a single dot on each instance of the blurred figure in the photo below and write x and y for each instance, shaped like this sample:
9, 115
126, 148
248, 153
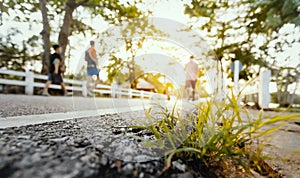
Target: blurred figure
55, 72
92, 68
191, 73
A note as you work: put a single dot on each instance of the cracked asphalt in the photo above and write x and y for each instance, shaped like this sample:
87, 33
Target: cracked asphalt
91, 147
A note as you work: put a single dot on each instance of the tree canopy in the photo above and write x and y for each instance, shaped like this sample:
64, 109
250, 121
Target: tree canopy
235, 26
113, 11
247, 30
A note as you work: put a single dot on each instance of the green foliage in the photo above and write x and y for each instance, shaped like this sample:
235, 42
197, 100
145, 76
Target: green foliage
261, 18
283, 77
256, 17
270, 15
14, 56
153, 79
131, 35
113, 11
23, 9
216, 133
114, 68
117, 70
226, 32
246, 57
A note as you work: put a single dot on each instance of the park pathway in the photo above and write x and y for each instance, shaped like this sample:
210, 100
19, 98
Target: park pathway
282, 147
36, 132
20, 105
21, 110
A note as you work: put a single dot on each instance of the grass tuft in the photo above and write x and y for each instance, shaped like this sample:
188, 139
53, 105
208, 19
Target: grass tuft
217, 133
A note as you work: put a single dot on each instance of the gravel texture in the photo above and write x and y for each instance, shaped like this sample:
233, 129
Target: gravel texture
87, 147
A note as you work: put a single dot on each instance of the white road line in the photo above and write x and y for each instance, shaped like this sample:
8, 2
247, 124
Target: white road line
18, 121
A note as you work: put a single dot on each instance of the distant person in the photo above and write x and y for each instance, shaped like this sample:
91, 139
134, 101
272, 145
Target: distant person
55, 72
191, 71
92, 68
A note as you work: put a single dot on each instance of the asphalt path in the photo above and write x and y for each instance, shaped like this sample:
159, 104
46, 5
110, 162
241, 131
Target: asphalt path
22, 110
283, 145
21, 105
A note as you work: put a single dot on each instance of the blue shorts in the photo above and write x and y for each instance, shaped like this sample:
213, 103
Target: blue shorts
92, 71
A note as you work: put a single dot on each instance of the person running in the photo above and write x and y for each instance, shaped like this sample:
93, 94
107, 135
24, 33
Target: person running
55, 75
191, 70
92, 68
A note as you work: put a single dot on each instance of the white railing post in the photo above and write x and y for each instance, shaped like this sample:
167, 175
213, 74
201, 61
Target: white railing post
263, 92
84, 88
236, 72
29, 80
142, 94
119, 92
113, 90
130, 93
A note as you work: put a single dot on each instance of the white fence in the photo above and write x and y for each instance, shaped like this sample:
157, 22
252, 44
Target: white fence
250, 88
259, 86
29, 83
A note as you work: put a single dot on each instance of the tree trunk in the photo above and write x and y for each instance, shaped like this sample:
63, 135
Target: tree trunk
132, 67
132, 73
46, 37
293, 94
63, 38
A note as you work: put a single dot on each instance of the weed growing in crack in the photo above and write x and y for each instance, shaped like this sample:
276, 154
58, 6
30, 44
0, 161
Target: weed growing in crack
217, 133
